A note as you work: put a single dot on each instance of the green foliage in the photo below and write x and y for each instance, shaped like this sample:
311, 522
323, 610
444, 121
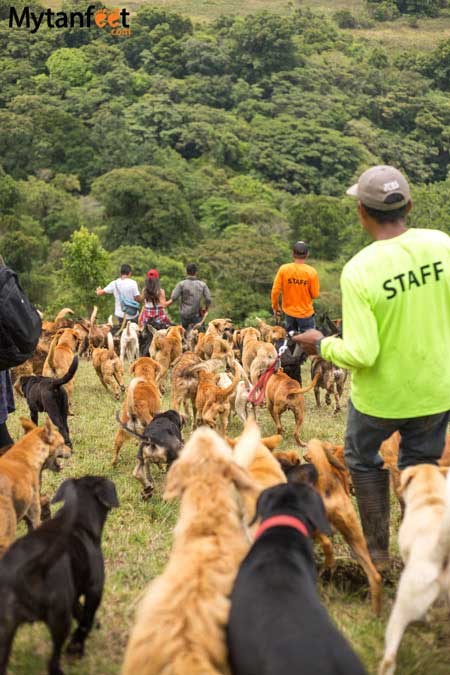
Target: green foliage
386, 10
69, 67
85, 266
345, 19
321, 221
142, 208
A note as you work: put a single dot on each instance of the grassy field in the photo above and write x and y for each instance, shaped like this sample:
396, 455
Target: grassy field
137, 541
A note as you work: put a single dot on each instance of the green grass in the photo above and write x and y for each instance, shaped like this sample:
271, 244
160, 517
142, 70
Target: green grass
137, 541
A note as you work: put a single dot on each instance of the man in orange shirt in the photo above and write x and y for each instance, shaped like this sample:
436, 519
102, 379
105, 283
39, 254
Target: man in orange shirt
299, 285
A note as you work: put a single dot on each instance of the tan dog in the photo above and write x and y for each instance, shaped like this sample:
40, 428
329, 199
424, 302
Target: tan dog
212, 402
282, 394
165, 349
97, 334
184, 382
271, 333
181, 621
262, 466
342, 515
424, 540
60, 356
20, 471
108, 367
258, 360
142, 401
59, 322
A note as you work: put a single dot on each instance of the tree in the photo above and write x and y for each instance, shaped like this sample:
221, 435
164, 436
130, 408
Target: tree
320, 221
70, 67
85, 266
142, 208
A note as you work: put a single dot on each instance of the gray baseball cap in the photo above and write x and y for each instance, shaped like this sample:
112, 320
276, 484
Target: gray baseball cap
382, 188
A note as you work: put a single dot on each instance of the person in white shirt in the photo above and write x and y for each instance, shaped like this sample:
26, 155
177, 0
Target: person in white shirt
124, 287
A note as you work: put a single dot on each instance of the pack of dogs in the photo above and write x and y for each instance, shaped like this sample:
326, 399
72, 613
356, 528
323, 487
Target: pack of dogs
238, 595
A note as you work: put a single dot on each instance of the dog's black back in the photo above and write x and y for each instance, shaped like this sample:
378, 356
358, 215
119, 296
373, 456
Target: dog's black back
47, 394
290, 362
164, 431
277, 623
44, 574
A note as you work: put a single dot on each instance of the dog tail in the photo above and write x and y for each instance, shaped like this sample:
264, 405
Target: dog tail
63, 313
51, 351
245, 449
68, 376
225, 393
303, 390
110, 343
443, 547
48, 542
92, 320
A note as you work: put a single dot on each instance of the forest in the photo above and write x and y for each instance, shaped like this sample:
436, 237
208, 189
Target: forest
220, 142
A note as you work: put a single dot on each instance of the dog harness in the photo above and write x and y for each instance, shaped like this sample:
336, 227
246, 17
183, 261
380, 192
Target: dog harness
283, 521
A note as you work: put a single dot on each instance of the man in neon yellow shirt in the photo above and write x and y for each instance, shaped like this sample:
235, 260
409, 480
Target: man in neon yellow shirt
396, 342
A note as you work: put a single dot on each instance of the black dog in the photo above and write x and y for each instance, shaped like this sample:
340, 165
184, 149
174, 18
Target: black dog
161, 443
292, 360
44, 574
277, 623
47, 394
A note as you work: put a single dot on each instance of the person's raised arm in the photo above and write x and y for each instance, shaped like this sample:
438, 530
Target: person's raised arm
276, 290
207, 296
315, 286
105, 291
360, 345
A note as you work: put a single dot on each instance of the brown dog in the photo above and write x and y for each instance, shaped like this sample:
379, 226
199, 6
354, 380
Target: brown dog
271, 333
109, 367
20, 471
166, 349
97, 334
60, 356
184, 382
342, 515
262, 466
142, 401
331, 378
282, 394
212, 402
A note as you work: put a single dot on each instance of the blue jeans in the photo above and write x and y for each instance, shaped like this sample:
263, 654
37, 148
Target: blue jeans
300, 325
422, 439
192, 321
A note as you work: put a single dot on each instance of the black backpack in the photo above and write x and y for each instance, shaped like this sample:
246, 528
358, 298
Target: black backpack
20, 324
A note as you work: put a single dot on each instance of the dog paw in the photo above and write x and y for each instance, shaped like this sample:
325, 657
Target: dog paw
75, 648
147, 493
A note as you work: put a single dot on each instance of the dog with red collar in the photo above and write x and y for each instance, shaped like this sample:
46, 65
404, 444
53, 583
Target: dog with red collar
277, 623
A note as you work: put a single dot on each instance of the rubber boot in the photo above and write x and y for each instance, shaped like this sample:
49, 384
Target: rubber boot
372, 495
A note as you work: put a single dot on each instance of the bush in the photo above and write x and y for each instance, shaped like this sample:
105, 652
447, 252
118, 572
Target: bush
345, 19
385, 11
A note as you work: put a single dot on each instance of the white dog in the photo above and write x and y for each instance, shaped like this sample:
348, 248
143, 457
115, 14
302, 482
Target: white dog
424, 540
129, 343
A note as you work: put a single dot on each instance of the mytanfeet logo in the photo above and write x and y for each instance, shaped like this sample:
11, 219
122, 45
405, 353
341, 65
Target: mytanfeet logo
117, 20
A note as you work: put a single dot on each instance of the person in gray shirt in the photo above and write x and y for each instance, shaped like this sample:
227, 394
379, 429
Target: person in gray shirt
190, 291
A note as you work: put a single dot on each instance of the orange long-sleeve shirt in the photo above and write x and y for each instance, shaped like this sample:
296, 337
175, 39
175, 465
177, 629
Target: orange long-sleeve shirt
298, 284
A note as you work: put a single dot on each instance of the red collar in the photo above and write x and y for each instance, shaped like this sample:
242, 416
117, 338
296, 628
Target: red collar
277, 521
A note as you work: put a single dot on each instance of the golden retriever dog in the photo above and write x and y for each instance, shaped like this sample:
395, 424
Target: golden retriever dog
220, 326
258, 360
60, 356
142, 401
342, 515
59, 321
20, 472
212, 402
282, 394
108, 367
180, 626
424, 540
165, 349
262, 466
271, 333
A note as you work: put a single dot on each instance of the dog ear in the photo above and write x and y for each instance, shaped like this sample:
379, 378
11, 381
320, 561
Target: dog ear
174, 483
48, 432
60, 493
27, 425
406, 477
317, 515
105, 491
242, 479
444, 470
271, 442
